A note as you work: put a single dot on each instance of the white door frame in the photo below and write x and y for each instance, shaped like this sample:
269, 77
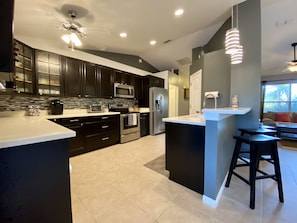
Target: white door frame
195, 92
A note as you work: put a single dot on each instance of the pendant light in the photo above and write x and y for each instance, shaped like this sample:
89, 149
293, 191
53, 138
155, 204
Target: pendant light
236, 57
232, 37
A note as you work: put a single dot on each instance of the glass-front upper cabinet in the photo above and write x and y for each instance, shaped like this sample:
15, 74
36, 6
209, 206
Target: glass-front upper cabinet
48, 72
23, 70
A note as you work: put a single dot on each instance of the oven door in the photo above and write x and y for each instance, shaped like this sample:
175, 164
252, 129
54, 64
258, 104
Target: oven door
130, 123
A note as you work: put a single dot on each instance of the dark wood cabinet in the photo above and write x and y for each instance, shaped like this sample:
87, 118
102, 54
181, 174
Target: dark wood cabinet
23, 68
90, 80
147, 82
72, 70
77, 143
144, 124
6, 37
102, 131
137, 83
35, 183
106, 76
123, 77
48, 73
92, 132
185, 155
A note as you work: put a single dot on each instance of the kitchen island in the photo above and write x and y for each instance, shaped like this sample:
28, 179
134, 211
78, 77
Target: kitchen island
200, 147
34, 171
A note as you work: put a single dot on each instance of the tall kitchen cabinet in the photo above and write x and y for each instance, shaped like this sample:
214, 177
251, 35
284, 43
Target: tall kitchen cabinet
72, 69
48, 73
106, 77
85, 79
147, 82
23, 68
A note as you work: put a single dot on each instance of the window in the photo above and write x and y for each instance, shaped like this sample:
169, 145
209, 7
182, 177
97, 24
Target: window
279, 97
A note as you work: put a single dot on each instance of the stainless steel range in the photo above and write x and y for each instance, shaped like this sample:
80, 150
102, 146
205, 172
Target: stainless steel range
129, 123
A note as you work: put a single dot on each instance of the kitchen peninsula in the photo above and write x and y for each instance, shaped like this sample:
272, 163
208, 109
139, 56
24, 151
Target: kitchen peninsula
34, 171
199, 150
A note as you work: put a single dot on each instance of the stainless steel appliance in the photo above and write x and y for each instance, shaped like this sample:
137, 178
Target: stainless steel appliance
123, 91
129, 123
158, 103
94, 108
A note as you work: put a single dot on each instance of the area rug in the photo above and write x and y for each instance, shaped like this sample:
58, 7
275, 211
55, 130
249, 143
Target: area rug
288, 144
158, 165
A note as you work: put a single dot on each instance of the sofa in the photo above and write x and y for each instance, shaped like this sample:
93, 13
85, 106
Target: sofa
285, 123
271, 118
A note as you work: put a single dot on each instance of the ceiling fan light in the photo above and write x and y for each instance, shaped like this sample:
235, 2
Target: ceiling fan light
74, 38
292, 68
66, 38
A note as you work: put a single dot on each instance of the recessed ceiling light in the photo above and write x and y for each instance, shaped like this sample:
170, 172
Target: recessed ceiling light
153, 42
179, 12
123, 35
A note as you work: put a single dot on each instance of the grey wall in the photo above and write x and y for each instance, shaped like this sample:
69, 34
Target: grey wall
216, 77
130, 60
218, 154
246, 77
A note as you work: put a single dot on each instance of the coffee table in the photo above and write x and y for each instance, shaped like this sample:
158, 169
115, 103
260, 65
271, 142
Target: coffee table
286, 130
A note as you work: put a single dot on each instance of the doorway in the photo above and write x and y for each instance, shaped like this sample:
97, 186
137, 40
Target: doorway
195, 92
173, 101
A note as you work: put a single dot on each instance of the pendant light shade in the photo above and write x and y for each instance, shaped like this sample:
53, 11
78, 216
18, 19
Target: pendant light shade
236, 57
232, 41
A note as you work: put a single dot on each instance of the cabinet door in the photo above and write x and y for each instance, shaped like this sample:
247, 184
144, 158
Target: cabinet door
24, 78
106, 82
48, 73
156, 82
72, 77
90, 80
144, 124
137, 83
6, 37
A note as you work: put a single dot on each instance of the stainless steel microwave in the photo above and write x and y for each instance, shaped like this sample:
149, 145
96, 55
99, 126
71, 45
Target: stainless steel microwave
123, 91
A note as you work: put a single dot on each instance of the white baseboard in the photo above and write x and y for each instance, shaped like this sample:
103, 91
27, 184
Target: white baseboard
211, 202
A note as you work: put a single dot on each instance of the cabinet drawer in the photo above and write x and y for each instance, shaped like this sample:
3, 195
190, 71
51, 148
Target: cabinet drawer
101, 126
97, 141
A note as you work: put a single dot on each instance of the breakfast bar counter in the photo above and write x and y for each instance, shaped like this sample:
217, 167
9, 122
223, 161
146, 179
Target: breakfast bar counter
199, 149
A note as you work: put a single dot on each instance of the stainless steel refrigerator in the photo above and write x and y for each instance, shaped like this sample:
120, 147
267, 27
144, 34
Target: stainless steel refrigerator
158, 102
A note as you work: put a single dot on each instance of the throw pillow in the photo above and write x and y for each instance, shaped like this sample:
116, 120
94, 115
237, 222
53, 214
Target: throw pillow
270, 115
283, 117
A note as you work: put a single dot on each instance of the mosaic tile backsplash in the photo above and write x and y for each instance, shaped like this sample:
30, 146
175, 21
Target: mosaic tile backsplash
21, 103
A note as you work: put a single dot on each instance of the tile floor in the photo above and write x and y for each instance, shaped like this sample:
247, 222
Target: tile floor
113, 185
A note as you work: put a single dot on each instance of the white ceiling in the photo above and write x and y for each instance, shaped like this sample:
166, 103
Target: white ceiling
146, 20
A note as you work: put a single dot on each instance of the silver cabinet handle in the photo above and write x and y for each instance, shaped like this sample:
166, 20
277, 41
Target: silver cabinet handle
105, 126
104, 139
105, 117
74, 120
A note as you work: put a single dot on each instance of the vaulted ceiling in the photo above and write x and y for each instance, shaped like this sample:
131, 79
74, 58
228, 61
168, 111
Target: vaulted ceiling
144, 21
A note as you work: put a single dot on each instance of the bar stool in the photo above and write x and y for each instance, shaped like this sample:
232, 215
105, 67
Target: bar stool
265, 131
260, 146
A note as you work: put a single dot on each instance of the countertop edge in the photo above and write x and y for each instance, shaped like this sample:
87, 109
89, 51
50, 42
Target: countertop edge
186, 119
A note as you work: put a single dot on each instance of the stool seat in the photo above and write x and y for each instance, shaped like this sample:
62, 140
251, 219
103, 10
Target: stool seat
265, 131
260, 145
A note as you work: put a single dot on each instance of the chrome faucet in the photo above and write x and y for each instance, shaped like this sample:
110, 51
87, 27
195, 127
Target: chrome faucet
205, 97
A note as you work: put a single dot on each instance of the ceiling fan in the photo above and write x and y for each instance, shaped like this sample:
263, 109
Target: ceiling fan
75, 30
292, 66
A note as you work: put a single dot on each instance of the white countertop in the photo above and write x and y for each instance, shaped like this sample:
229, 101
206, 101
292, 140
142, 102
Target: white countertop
221, 113
18, 129
25, 130
187, 119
